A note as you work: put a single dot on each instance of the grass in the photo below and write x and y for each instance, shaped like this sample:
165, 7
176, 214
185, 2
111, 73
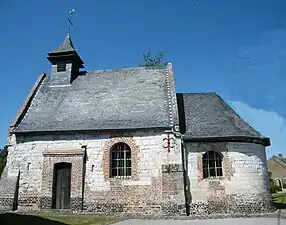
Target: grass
11, 219
279, 200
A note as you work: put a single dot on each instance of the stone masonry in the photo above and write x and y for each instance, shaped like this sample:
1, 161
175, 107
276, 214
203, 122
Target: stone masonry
53, 156
149, 190
244, 186
156, 184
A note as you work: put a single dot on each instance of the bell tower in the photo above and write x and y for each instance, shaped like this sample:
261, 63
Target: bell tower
66, 63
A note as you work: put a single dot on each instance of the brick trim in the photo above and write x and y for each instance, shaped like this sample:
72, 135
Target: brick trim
63, 152
226, 167
172, 97
134, 155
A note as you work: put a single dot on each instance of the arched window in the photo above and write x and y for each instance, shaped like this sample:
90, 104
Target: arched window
212, 164
120, 160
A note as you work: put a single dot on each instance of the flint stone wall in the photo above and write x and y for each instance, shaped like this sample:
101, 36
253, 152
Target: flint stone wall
244, 186
142, 193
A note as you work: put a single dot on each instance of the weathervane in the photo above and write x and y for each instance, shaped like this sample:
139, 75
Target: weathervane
69, 19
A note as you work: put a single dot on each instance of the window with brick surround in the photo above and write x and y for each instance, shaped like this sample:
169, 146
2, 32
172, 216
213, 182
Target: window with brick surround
212, 164
120, 161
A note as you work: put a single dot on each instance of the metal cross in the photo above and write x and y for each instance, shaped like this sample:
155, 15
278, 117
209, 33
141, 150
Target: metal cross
169, 143
69, 19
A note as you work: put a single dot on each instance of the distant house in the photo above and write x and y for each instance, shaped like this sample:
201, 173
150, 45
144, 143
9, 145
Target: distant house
277, 166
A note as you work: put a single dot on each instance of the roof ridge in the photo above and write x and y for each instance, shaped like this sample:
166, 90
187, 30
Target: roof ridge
198, 93
125, 69
279, 161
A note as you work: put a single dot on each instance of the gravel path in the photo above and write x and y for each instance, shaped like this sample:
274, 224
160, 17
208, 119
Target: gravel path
237, 221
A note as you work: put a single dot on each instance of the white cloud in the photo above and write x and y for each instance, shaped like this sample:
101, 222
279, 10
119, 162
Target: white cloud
268, 123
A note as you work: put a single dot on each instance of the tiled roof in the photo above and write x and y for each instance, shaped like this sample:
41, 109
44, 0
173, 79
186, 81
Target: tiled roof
106, 99
207, 115
66, 46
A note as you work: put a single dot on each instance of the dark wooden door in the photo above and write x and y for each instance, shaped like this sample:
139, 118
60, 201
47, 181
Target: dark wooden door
62, 185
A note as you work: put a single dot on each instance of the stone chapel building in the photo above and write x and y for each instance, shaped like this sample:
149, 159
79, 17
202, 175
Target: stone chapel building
124, 141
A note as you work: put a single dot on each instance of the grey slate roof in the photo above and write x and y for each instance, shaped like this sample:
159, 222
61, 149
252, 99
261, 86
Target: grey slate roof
111, 99
66, 46
208, 115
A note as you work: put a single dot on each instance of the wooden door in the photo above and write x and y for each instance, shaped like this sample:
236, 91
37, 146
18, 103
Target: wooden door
62, 185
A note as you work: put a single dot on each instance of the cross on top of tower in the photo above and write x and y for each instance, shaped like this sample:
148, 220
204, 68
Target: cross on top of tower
71, 12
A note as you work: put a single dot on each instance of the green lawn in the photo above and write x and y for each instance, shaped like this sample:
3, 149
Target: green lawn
279, 200
11, 219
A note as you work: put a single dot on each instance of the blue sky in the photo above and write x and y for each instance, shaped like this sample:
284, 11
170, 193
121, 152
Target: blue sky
234, 47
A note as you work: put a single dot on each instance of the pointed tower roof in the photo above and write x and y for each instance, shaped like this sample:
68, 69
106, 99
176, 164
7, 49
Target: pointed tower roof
66, 46
65, 52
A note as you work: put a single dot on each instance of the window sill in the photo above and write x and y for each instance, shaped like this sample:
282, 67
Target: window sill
214, 178
121, 178
129, 181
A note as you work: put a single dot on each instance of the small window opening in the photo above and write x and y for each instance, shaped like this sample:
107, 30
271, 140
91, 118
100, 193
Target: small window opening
212, 164
120, 161
28, 166
61, 67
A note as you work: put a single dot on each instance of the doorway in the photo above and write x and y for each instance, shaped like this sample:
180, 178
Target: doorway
61, 186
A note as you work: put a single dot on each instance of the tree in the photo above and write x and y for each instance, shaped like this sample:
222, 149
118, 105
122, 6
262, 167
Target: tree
273, 187
3, 158
153, 61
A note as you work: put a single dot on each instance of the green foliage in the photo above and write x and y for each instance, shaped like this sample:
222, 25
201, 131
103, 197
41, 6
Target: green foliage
271, 181
278, 199
3, 158
279, 188
273, 187
153, 61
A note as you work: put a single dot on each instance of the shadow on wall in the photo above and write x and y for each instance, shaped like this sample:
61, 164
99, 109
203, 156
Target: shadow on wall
12, 218
81, 135
188, 194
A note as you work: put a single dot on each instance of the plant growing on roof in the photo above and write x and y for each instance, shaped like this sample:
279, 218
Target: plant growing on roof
153, 61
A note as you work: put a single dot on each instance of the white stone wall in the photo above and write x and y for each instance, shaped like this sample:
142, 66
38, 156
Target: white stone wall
248, 163
25, 154
250, 169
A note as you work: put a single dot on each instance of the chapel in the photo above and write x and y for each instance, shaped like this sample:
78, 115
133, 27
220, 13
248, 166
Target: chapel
124, 141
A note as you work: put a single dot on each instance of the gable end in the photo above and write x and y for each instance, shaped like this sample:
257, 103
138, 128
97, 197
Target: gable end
24, 108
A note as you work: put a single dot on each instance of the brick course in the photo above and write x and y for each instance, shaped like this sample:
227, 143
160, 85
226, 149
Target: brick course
156, 185
35, 157
243, 187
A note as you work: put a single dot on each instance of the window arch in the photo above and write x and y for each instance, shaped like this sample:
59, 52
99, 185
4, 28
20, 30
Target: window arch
212, 164
120, 160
